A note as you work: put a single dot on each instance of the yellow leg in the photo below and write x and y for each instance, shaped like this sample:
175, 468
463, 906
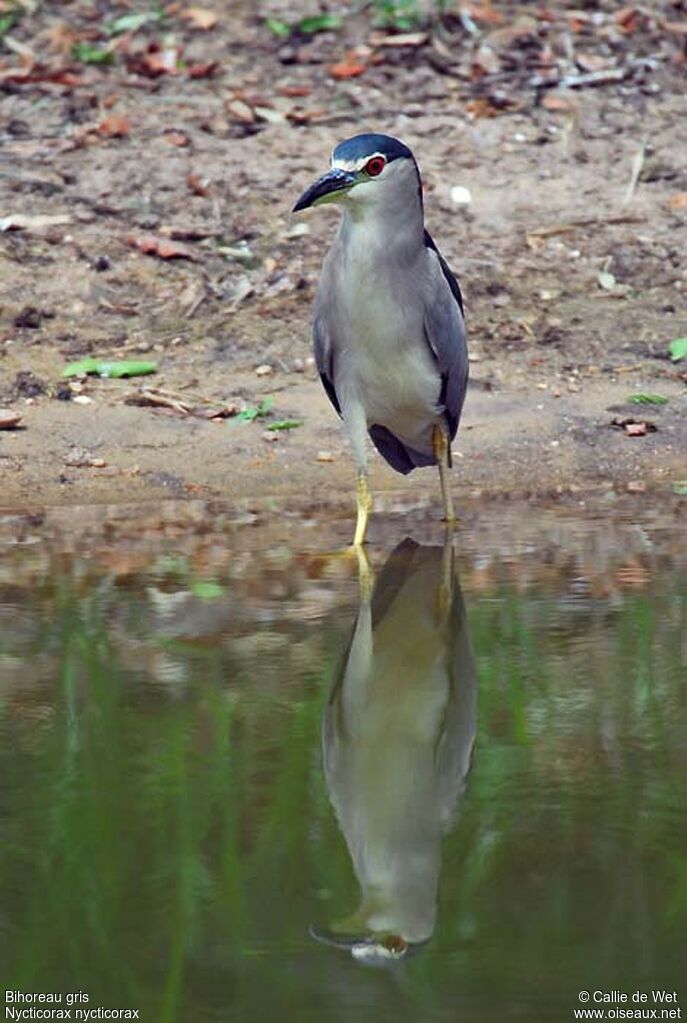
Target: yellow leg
441, 446
366, 579
445, 589
364, 508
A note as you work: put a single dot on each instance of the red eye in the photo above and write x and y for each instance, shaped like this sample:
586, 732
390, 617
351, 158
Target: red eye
375, 166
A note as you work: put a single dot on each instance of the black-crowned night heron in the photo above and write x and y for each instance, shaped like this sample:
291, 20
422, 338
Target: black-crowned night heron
397, 739
389, 333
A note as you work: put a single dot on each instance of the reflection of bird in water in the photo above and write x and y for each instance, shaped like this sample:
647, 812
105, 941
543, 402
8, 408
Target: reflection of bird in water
397, 737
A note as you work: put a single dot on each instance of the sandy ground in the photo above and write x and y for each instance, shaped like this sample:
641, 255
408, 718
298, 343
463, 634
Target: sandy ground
555, 353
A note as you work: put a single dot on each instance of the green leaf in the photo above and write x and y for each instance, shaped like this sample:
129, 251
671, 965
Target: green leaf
131, 22
285, 424
278, 28
89, 54
648, 399
7, 21
206, 589
678, 349
320, 23
101, 368
680, 488
255, 411
402, 15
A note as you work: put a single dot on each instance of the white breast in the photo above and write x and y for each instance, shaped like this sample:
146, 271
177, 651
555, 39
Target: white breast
385, 363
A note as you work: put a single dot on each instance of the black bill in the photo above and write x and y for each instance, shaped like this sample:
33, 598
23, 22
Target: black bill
326, 189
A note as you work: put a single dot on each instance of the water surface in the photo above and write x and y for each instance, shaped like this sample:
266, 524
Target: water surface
243, 783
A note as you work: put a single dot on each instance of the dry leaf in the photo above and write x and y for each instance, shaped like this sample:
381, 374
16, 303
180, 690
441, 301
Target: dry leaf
349, 67
676, 27
637, 429
403, 39
482, 107
634, 427
506, 38
627, 19
117, 308
218, 412
240, 111
61, 38
201, 186
557, 103
152, 245
205, 70
299, 115
176, 138
485, 13
678, 201
114, 126
592, 61
38, 223
295, 91
200, 17
34, 73
485, 62
155, 62
9, 419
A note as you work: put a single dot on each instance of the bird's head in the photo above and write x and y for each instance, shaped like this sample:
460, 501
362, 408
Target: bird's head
367, 170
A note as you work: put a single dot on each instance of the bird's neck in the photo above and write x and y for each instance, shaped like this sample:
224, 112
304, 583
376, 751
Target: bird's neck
392, 229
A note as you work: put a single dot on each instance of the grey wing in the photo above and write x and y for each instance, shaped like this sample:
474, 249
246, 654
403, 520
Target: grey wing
445, 333
324, 358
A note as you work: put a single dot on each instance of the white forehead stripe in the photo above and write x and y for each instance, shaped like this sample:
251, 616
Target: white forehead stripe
355, 165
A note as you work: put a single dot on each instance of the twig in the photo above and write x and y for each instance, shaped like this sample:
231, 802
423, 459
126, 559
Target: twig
466, 21
637, 165
18, 47
571, 225
148, 396
604, 77
195, 305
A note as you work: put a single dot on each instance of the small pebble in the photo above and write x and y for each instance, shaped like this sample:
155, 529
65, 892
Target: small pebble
325, 456
297, 231
270, 436
82, 399
80, 457
461, 196
264, 370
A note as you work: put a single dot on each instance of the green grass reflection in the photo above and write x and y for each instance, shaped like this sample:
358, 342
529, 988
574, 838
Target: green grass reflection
169, 849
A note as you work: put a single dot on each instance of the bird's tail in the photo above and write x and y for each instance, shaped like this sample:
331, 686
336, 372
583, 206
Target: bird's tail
399, 456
